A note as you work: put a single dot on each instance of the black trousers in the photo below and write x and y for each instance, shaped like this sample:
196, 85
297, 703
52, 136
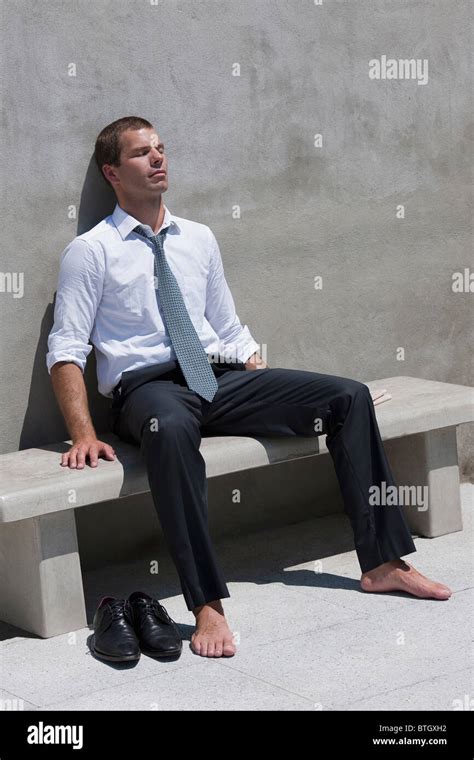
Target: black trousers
154, 409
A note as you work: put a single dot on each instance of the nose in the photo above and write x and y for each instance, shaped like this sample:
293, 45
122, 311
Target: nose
156, 156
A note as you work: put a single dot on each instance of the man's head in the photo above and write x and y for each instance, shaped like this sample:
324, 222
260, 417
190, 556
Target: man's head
128, 153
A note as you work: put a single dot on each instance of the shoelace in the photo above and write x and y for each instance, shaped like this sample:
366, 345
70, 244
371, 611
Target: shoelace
118, 610
150, 607
153, 608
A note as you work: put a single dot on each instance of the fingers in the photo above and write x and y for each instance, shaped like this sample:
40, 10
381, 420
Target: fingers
99, 449
76, 457
108, 451
69, 458
93, 454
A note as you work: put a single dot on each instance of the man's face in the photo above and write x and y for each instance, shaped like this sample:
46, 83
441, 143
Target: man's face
143, 169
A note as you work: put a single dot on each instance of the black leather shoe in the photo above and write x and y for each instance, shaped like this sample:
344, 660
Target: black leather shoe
157, 633
114, 636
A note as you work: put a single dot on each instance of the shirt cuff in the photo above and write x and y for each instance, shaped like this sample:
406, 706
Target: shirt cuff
247, 351
51, 360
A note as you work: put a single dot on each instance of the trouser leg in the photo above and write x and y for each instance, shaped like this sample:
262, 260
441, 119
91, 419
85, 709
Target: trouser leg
381, 531
163, 417
297, 402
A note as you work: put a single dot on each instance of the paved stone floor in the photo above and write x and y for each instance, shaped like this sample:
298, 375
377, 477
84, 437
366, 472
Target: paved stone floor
308, 638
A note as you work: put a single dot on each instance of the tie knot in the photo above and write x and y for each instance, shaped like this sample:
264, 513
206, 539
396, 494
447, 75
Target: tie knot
145, 231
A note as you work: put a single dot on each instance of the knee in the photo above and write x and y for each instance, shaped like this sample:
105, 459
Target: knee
347, 394
345, 386
362, 389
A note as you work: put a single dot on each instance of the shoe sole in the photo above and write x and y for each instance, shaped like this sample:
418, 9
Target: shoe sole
163, 654
113, 658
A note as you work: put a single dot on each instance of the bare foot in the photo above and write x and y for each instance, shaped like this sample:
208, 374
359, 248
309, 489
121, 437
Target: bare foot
398, 575
212, 637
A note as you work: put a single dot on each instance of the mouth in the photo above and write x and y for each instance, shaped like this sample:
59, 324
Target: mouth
160, 172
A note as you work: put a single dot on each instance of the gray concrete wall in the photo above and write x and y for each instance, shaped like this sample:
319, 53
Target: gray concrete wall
248, 142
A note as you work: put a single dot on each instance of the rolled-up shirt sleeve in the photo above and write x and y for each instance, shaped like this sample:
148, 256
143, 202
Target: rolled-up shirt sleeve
236, 339
79, 290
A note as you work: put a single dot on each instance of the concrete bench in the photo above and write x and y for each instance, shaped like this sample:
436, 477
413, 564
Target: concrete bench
40, 573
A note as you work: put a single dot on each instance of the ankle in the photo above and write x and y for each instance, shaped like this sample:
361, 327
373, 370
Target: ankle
215, 605
386, 567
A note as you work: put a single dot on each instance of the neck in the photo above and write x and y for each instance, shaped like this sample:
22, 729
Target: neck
151, 213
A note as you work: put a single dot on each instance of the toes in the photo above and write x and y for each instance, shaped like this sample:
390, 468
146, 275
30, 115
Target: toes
228, 650
210, 647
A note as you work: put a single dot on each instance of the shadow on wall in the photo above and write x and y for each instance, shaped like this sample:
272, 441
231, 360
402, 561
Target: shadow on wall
43, 421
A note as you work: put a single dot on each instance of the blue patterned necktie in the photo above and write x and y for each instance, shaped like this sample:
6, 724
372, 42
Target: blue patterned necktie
189, 350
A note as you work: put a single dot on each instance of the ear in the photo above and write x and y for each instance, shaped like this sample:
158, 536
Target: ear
109, 173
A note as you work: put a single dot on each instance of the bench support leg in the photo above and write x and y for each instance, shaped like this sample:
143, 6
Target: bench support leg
40, 575
429, 459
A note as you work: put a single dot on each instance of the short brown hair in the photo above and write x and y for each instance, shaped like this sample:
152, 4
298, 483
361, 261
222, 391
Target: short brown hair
108, 146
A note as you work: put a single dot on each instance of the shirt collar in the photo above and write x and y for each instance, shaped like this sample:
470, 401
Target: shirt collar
125, 223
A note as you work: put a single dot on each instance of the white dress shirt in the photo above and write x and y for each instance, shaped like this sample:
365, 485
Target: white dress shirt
106, 294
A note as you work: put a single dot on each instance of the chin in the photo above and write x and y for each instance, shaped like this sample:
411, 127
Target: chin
157, 190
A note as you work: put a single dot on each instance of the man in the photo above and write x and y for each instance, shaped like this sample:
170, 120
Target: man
148, 288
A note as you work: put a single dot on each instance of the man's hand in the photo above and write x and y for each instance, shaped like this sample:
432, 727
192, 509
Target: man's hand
378, 397
87, 447
255, 362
